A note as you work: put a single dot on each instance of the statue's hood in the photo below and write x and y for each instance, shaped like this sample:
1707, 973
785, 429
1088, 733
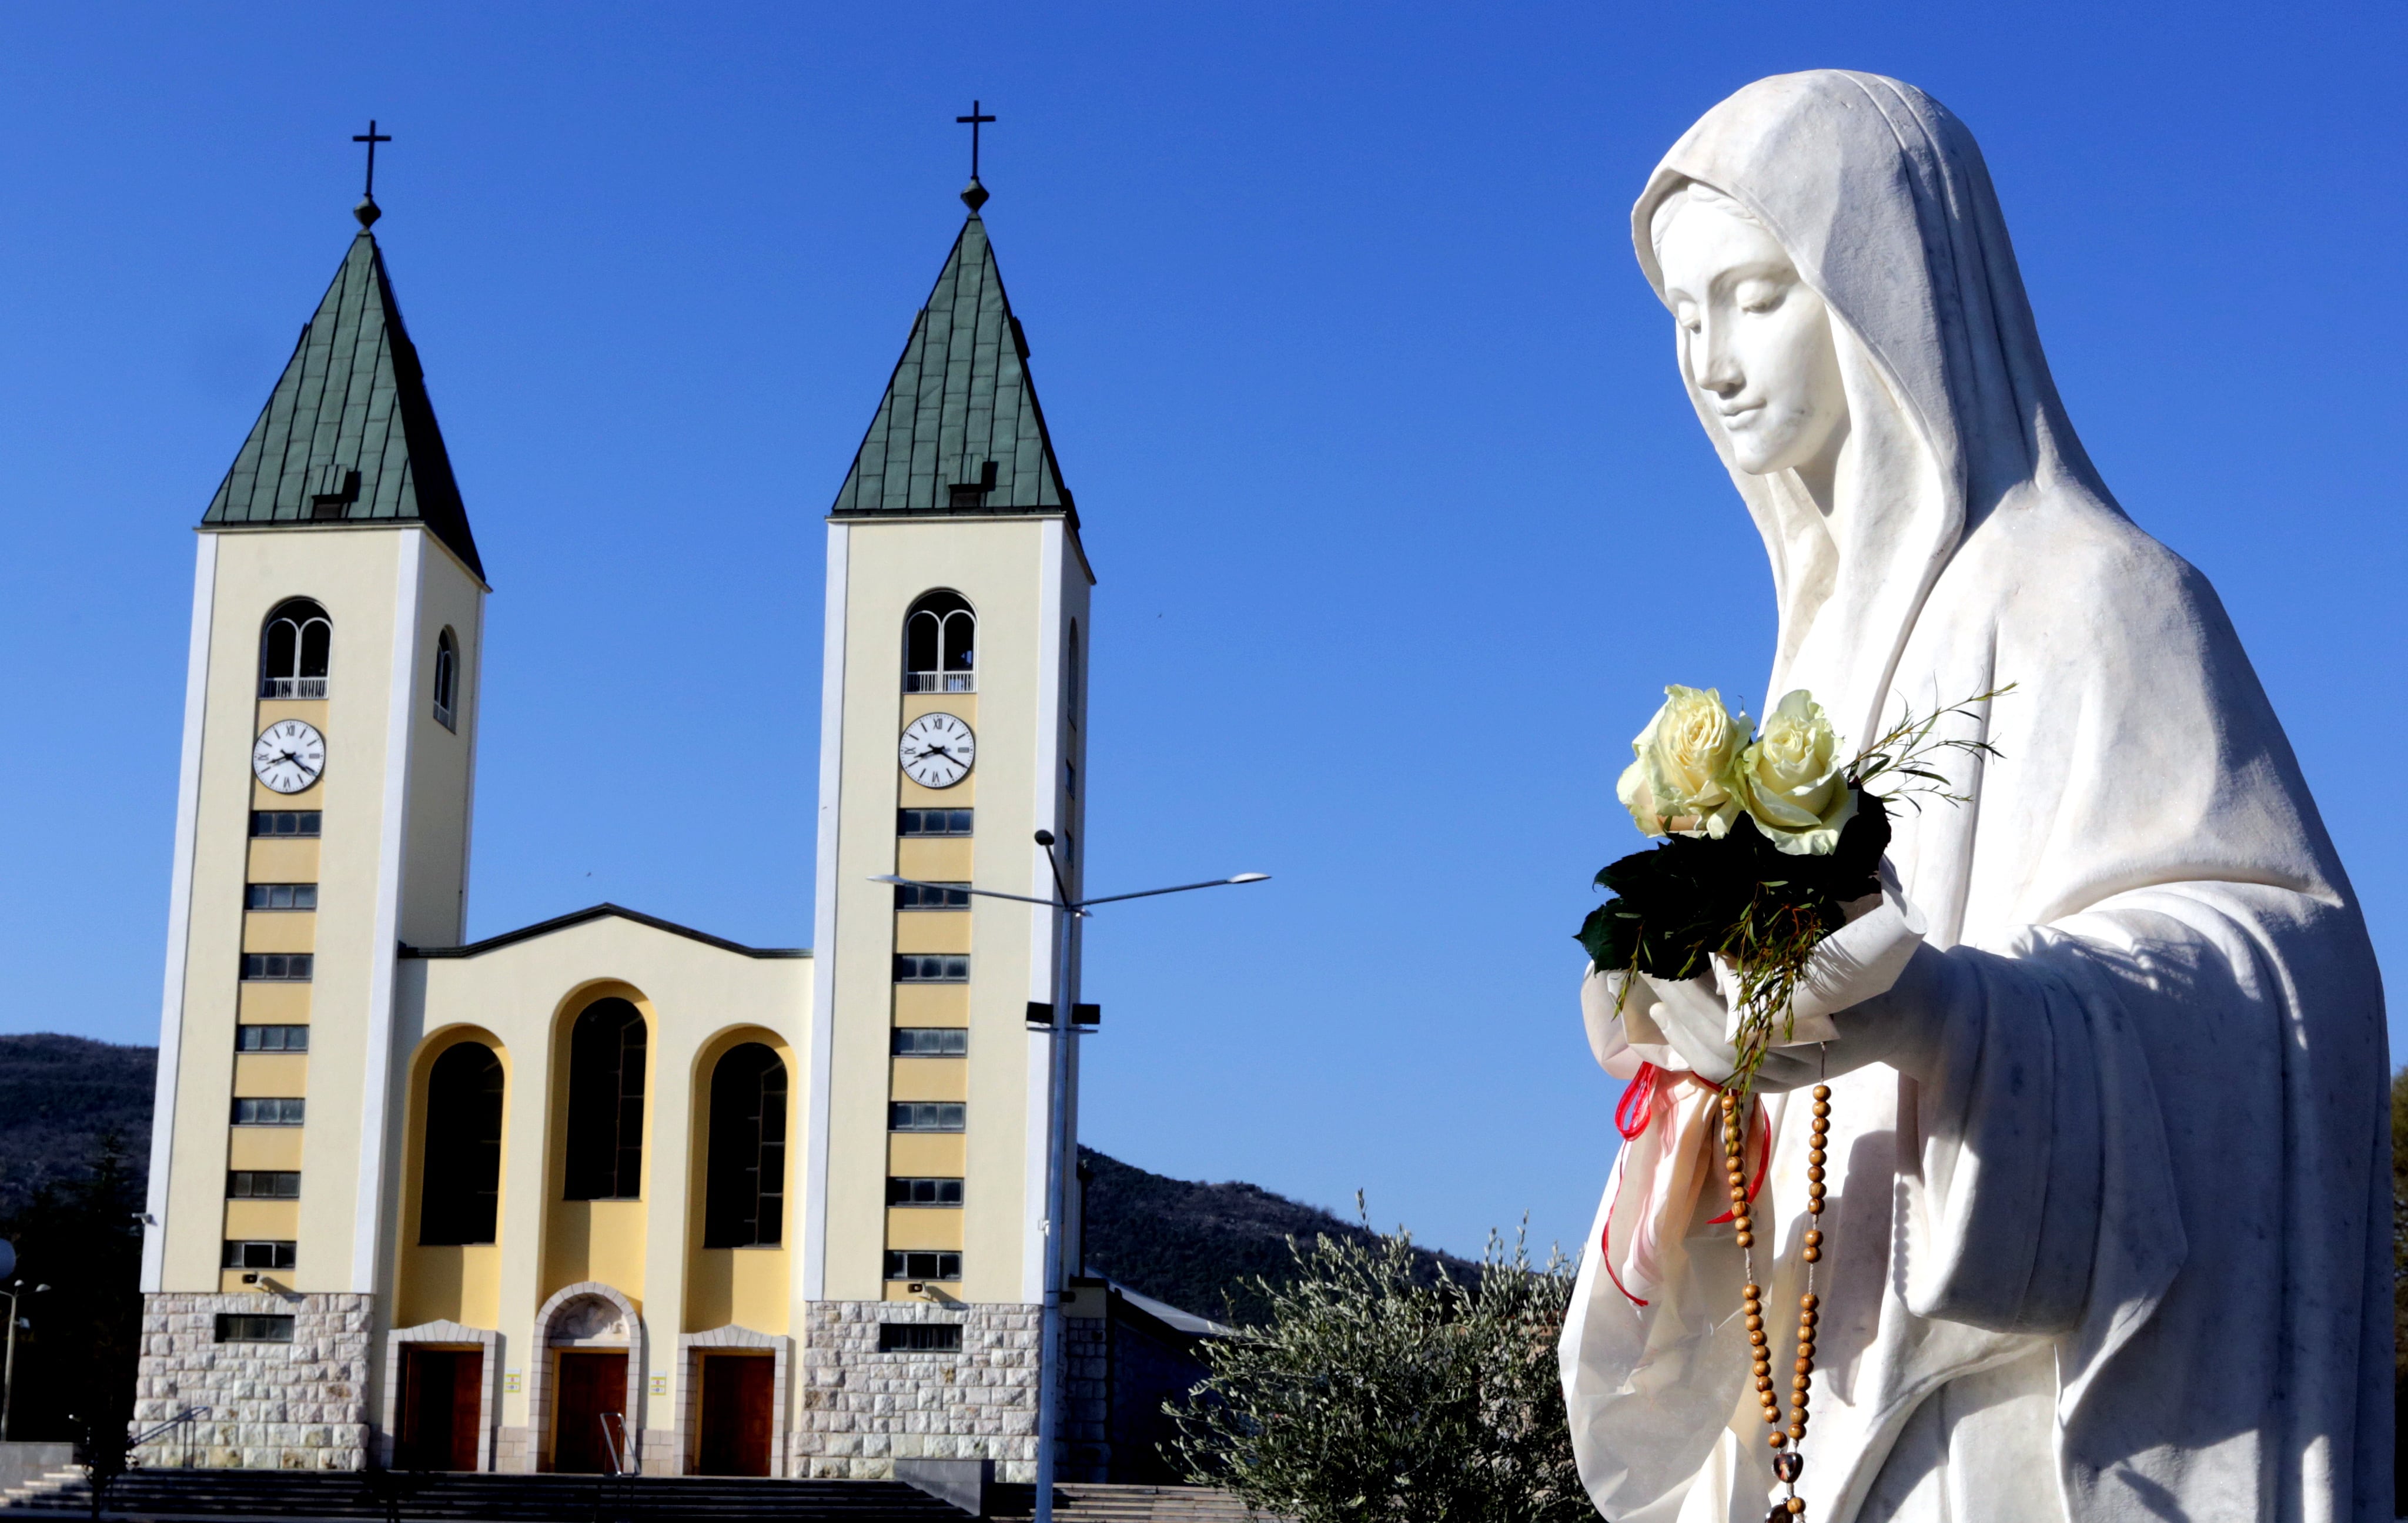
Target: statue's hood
1883, 202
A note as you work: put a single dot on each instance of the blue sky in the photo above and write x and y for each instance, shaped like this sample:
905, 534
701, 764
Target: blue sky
1400, 518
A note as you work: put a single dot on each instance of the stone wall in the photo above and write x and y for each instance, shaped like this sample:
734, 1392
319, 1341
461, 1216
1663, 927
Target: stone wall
862, 1409
301, 1406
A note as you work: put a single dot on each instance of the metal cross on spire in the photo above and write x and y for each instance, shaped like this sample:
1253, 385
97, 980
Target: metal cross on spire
973, 193
368, 211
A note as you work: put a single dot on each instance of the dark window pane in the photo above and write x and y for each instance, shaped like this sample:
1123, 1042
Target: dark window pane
250, 1327
461, 1176
744, 1199
605, 1104
920, 1338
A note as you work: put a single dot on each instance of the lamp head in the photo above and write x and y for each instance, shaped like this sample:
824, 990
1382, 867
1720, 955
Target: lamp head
1045, 838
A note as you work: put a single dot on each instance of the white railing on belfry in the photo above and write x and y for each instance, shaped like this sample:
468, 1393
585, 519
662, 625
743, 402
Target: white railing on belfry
940, 681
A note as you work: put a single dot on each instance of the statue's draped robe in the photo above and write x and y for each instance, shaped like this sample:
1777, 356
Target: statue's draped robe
2121, 1252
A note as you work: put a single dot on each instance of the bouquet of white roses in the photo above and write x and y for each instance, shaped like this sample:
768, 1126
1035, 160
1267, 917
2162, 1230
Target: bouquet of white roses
1768, 838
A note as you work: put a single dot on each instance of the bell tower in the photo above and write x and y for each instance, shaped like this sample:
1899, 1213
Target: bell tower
323, 818
952, 731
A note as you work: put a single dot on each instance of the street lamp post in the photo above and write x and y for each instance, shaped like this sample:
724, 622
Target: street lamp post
1059, 1140
8, 1369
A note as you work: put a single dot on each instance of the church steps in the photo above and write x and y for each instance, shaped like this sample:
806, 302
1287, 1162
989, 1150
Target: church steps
303, 1496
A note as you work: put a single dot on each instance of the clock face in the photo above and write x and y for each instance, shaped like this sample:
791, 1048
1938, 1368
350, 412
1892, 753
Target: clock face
937, 750
290, 756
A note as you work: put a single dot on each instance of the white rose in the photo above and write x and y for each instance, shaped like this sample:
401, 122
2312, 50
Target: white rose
1790, 781
1683, 783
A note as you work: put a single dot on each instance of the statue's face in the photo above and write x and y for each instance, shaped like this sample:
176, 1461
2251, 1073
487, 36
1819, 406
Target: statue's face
1754, 337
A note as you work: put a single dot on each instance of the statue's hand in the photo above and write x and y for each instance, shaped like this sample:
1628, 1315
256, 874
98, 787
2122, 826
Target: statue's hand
1693, 1019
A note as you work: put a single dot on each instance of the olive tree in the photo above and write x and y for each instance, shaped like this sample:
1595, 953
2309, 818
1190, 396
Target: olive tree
1385, 1388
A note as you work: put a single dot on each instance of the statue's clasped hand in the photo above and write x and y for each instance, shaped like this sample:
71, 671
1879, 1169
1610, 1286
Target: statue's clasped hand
1692, 1025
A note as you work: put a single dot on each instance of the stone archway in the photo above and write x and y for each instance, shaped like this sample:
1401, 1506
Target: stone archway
588, 1314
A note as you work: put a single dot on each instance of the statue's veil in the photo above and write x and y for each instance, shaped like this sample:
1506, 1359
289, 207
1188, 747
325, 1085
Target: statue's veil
1883, 202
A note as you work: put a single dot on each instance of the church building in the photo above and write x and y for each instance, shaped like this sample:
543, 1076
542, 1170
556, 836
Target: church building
605, 1192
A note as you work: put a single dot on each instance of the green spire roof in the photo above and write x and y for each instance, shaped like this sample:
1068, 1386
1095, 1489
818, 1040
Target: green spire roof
348, 436
959, 430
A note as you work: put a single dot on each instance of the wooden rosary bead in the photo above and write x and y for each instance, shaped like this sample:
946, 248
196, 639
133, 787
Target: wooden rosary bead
1796, 1430
1813, 1239
1757, 1338
1822, 1108
1815, 1155
1779, 1441
1809, 1300
1823, 1092
1812, 1253
1797, 1506
1754, 1322
1747, 1239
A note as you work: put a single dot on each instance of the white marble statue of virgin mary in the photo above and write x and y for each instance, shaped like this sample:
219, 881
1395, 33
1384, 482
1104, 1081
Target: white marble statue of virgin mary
2108, 1168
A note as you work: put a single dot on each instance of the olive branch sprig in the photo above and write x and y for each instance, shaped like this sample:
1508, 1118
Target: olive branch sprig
1909, 750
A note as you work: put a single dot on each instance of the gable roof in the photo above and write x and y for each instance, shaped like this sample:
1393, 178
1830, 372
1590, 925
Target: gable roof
348, 434
959, 405
599, 912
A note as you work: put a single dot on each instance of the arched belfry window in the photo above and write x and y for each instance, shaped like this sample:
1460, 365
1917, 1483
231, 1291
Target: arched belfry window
744, 1204
940, 645
294, 650
460, 1180
605, 1157
447, 677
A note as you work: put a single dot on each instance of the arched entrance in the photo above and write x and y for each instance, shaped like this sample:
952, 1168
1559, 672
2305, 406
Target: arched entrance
584, 1403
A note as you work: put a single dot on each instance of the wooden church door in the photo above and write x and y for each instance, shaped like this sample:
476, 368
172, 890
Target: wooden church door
736, 1420
590, 1387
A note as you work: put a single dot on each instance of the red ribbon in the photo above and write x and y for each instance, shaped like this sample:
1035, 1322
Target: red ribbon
1636, 1111
1633, 1114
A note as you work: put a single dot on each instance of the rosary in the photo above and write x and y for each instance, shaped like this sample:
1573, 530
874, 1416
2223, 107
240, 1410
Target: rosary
1787, 1462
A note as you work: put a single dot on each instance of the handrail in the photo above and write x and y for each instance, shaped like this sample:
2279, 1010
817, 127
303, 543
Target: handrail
149, 1433
184, 1419
622, 1459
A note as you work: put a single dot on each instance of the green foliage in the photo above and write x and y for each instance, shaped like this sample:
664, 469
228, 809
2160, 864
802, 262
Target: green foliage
2399, 1273
1692, 896
2400, 1225
1376, 1393
76, 1363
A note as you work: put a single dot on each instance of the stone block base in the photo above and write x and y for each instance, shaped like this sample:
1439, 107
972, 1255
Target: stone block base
862, 1410
298, 1406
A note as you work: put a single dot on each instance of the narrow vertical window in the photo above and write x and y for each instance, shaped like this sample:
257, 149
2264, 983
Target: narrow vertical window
605, 1104
1071, 683
447, 677
745, 1201
940, 645
460, 1180
294, 650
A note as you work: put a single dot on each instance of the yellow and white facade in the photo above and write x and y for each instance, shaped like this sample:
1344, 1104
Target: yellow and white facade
608, 1192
